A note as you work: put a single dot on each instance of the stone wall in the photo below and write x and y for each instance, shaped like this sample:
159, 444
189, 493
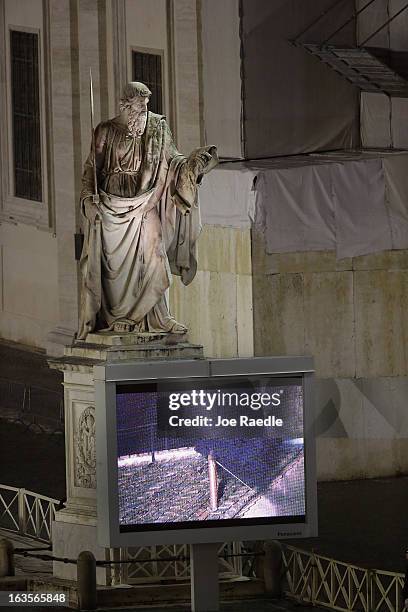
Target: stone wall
28, 284
351, 316
217, 306
28, 246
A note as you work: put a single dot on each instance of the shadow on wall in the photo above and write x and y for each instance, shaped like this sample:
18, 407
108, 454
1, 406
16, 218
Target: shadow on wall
361, 408
328, 403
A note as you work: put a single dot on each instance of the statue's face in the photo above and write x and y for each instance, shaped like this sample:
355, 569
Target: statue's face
137, 116
139, 106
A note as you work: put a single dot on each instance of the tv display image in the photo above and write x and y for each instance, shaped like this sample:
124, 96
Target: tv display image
191, 453
201, 451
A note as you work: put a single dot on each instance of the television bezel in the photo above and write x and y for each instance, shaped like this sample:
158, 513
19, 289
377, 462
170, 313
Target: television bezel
106, 379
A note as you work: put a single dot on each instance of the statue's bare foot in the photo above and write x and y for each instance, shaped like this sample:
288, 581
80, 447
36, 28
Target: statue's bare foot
178, 328
121, 327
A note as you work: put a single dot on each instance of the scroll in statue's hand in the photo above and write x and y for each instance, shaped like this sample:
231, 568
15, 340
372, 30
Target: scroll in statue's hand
184, 190
202, 160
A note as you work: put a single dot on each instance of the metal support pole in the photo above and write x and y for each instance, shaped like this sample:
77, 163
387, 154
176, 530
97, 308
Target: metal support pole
404, 8
22, 511
6, 558
343, 25
319, 18
204, 578
212, 473
273, 568
371, 590
314, 579
86, 580
37, 517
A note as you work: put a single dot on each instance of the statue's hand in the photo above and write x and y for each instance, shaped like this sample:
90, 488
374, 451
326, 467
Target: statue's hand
90, 209
183, 206
198, 161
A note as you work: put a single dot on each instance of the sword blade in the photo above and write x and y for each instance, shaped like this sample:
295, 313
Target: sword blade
93, 147
91, 96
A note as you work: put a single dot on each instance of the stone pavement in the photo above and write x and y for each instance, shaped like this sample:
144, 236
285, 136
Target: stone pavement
251, 605
243, 606
28, 566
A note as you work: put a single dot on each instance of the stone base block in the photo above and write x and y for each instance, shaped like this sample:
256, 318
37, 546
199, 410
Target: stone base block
69, 539
74, 529
58, 339
114, 339
130, 352
101, 347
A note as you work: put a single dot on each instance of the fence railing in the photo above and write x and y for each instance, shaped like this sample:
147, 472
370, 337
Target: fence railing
319, 580
30, 514
27, 513
310, 578
147, 565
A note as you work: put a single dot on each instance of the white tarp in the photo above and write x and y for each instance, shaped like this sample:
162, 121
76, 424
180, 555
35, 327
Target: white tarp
399, 26
352, 204
399, 123
383, 119
362, 224
396, 191
375, 120
295, 207
227, 197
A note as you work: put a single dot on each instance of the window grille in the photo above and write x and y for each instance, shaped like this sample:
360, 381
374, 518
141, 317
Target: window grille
25, 101
147, 69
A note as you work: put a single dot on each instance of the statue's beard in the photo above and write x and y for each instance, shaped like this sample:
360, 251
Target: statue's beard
136, 122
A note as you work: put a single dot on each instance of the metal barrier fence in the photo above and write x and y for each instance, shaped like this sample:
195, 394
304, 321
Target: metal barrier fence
151, 564
310, 578
27, 513
31, 514
335, 585
34, 406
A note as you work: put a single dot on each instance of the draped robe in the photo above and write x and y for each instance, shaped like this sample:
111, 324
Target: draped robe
147, 226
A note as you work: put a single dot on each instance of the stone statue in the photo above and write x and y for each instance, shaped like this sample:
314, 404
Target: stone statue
140, 203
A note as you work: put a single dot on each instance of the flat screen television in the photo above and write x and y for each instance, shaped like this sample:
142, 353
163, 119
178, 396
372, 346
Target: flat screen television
212, 450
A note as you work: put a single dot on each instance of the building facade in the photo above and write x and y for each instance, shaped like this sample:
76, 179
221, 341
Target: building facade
224, 73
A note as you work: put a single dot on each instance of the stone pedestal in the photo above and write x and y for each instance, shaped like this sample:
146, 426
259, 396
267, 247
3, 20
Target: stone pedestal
74, 528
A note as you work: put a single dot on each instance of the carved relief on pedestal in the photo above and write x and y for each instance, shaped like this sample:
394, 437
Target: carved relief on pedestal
85, 456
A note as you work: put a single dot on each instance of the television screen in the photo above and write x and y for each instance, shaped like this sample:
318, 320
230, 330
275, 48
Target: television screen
205, 450
200, 452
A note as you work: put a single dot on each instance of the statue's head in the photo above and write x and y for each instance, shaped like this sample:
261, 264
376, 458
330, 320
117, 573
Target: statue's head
134, 101
134, 95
